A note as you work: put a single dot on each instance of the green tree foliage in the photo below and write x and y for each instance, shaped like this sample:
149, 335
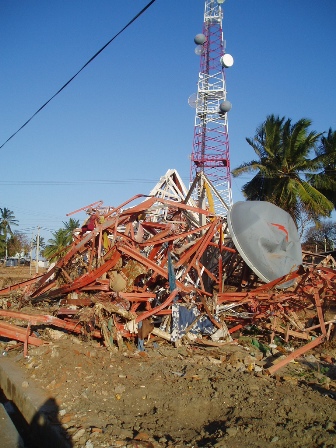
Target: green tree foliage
325, 179
18, 243
69, 227
42, 243
283, 158
7, 220
62, 238
2, 245
57, 245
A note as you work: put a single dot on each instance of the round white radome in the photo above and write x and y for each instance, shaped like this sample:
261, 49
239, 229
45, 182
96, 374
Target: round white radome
227, 60
225, 106
199, 39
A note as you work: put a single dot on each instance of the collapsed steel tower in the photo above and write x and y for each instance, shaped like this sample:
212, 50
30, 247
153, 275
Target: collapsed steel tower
210, 154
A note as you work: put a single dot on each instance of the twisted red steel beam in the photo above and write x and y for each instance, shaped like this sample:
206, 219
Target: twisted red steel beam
20, 285
81, 281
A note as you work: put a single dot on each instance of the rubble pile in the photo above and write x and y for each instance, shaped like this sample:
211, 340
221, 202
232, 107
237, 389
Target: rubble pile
158, 266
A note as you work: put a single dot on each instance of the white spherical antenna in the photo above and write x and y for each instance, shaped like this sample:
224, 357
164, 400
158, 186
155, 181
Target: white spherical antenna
199, 39
226, 60
225, 106
192, 100
266, 238
199, 50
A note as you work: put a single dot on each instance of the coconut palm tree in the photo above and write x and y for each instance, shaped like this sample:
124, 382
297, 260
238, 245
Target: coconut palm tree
2, 245
57, 246
325, 179
70, 226
7, 219
41, 242
283, 151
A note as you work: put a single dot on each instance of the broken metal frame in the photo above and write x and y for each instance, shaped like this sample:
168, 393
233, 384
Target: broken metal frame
135, 243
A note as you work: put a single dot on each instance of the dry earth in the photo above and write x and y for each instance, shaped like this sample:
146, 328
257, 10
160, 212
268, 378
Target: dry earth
191, 396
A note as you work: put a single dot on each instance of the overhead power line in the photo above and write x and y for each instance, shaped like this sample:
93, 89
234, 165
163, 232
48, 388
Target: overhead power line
77, 182
85, 65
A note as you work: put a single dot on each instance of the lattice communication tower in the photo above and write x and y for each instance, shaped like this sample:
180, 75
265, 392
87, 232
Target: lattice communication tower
210, 153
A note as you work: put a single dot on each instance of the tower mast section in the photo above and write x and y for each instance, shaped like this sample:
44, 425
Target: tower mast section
210, 154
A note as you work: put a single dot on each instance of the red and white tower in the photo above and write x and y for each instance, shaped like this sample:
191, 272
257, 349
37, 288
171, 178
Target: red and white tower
211, 154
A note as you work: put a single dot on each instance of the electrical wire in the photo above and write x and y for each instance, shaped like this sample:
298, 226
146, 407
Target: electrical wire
76, 182
85, 65
124, 181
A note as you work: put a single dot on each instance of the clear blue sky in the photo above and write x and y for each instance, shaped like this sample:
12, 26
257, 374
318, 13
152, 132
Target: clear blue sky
125, 119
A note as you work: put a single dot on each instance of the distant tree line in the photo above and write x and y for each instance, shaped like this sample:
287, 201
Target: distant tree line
13, 242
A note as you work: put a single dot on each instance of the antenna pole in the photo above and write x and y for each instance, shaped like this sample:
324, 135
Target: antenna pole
37, 248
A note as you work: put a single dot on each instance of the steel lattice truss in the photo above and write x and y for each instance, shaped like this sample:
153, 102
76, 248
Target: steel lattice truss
210, 153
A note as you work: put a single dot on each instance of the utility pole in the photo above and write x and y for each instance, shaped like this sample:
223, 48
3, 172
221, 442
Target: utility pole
31, 254
37, 248
6, 245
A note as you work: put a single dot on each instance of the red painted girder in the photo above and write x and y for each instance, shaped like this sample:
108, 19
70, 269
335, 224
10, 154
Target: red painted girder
160, 237
35, 319
188, 254
96, 287
74, 249
133, 198
202, 247
137, 296
94, 204
18, 333
145, 205
236, 328
295, 354
153, 225
151, 265
84, 280
156, 249
319, 311
20, 285
163, 305
175, 236
66, 311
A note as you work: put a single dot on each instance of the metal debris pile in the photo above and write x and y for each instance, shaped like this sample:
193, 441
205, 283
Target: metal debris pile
157, 266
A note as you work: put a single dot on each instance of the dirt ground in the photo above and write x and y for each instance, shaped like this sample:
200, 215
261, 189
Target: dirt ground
12, 275
187, 396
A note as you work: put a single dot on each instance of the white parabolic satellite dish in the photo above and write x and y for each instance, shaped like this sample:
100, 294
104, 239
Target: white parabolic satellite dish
266, 238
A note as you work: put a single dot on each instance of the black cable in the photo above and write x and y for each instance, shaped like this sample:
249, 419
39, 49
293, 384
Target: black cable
75, 182
87, 63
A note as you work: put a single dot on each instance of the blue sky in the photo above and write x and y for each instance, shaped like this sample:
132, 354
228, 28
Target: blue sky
117, 128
